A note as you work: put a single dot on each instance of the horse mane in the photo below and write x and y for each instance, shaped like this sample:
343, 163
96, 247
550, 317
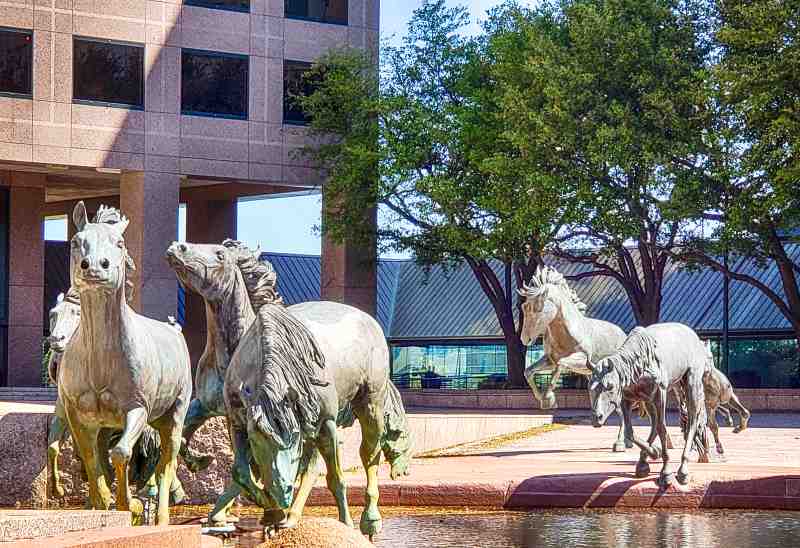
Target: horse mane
287, 403
260, 277
113, 216
72, 296
545, 276
635, 358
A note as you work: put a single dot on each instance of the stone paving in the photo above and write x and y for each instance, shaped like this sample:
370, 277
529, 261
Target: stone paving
574, 467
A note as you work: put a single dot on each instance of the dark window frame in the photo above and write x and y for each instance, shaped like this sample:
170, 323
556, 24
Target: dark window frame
14, 94
288, 121
344, 23
209, 4
227, 55
99, 103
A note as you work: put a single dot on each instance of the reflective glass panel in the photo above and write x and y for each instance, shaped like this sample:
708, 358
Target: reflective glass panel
230, 5
324, 11
16, 61
214, 84
108, 72
294, 86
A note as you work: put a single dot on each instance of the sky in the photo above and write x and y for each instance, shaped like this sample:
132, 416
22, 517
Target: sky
290, 225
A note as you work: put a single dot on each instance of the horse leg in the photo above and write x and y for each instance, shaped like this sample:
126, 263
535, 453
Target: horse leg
642, 467
622, 442
308, 477
549, 401
659, 418
331, 453
85, 438
197, 415
135, 421
170, 433
714, 427
695, 406
219, 515
57, 434
744, 414
371, 419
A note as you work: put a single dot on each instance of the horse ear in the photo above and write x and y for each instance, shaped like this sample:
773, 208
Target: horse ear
122, 225
60, 298
589, 365
79, 216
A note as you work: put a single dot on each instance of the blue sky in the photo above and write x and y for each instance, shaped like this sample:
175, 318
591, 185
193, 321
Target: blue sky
287, 225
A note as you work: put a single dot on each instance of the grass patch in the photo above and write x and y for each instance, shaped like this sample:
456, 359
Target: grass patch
473, 447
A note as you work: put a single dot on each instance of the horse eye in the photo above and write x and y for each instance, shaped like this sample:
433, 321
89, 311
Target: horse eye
221, 255
120, 243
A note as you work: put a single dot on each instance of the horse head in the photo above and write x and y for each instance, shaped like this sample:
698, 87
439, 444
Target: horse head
605, 390
210, 270
65, 317
98, 257
545, 296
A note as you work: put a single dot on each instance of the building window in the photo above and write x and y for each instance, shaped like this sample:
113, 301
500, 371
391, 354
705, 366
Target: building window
324, 11
230, 5
295, 85
214, 84
16, 62
106, 72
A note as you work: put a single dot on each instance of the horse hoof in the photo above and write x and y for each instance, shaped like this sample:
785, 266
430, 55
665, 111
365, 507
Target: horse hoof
683, 477
371, 527
137, 511
619, 447
628, 444
665, 480
642, 470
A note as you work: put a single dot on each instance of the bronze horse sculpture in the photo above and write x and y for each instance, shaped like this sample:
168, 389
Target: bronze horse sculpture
552, 310
298, 373
212, 272
120, 370
64, 319
649, 363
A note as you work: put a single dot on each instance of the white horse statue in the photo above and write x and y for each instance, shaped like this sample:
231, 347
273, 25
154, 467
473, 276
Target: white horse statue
120, 370
553, 311
650, 362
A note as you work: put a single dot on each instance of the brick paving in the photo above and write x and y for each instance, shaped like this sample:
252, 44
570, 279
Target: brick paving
574, 467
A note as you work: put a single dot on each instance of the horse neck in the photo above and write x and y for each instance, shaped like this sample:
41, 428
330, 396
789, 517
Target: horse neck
568, 327
228, 318
103, 317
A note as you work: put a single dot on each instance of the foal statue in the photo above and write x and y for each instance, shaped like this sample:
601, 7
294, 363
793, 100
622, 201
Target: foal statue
120, 370
649, 363
553, 311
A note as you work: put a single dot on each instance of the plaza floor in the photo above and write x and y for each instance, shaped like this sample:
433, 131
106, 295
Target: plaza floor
574, 467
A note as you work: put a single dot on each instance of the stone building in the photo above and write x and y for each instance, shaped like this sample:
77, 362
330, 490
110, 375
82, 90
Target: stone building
149, 104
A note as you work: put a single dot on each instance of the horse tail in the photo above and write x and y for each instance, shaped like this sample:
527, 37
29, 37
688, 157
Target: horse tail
396, 442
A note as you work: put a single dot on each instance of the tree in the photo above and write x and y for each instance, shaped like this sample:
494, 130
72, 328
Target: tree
748, 194
609, 95
425, 138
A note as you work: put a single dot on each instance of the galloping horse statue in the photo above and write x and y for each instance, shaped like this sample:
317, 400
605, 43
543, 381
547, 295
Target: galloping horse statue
553, 311
64, 318
649, 363
120, 370
297, 373
212, 272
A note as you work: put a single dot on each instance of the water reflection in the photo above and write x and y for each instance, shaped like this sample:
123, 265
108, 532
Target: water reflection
577, 529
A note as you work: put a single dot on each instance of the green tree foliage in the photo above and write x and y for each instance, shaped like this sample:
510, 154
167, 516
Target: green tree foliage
608, 96
749, 191
426, 138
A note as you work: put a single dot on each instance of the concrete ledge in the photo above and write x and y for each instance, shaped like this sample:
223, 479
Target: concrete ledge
17, 525
187, 536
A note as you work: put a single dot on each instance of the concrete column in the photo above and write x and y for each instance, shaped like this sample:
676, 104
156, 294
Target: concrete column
25, 279
150, 201
207, 222
349, 270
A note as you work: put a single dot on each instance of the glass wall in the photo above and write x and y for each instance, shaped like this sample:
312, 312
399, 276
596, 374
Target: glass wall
231, 5
295, 85
465, 366
760, 363
323, 11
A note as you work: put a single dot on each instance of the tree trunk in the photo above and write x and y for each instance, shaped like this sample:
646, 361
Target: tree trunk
515, 356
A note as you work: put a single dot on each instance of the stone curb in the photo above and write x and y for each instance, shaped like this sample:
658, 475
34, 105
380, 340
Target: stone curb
781, 492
